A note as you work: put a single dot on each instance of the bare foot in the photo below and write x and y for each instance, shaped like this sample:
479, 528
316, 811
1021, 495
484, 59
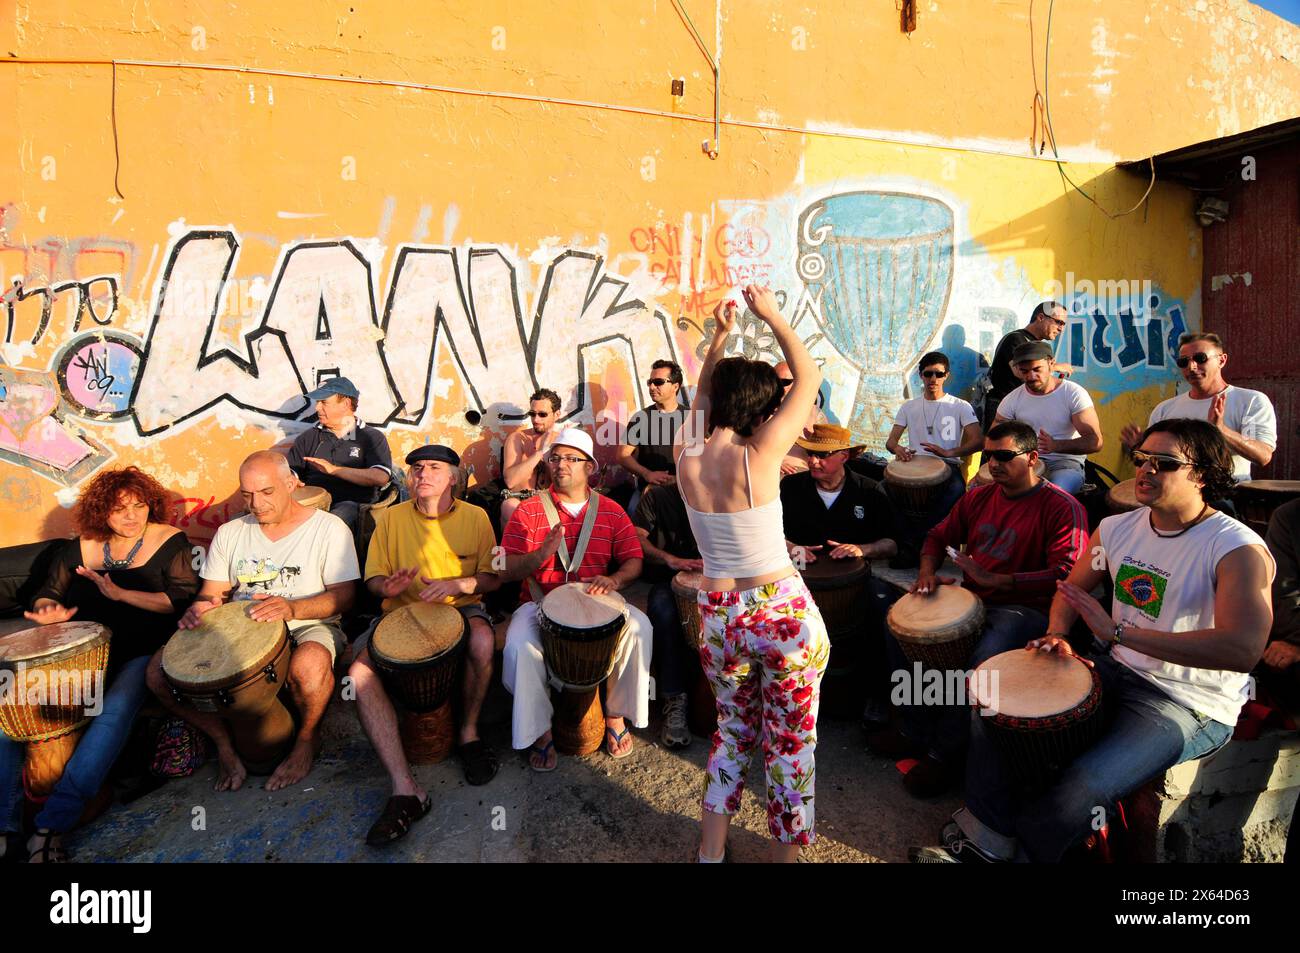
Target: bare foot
231, 772
296, 765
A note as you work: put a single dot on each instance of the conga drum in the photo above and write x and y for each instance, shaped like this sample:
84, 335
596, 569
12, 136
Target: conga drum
915, 485
234, 666
53, 673
417, 651
1041, 709
983, 477
838, 586
1257, 499
314, 496
939, 630
1122, 497
702, 711
581, 634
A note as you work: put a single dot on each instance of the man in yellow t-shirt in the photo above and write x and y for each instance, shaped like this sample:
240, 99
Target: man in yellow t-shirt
432, 548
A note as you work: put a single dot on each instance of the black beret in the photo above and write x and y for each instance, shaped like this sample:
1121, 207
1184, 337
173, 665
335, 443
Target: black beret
433, 451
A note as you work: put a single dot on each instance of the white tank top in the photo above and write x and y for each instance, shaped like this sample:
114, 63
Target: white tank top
1168, 584
745, 543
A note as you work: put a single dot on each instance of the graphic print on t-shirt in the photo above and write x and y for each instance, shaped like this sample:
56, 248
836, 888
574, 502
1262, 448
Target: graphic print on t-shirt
997, 542
1141, 586
261, 574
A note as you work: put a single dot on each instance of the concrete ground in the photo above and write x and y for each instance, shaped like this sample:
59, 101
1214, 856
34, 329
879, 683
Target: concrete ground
642, 808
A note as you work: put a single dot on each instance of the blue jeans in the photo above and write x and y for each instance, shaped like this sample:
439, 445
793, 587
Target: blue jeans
1148, 733
913, 528
669, 643
349, 511
945, 729
86, 771
1067, 474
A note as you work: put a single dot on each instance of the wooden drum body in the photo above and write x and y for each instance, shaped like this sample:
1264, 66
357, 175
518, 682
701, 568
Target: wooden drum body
581, 634
55, 670
702, 712
838, 586
939, 630
1122, 497
915, 485
314, 496
1041, 709
235, 666
417, 651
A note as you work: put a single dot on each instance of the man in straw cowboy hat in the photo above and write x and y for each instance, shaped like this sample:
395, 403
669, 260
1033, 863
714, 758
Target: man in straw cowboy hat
832, 513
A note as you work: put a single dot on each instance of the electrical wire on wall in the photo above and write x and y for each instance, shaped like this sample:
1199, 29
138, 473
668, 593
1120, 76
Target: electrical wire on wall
1051, 136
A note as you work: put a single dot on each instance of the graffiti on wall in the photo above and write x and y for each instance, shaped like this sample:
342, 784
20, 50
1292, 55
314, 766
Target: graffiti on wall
867, 277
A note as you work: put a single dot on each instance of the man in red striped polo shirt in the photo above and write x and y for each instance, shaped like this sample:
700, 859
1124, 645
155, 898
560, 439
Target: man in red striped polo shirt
1022, 536
612, 559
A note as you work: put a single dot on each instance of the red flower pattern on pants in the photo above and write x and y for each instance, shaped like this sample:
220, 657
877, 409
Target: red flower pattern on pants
764, 651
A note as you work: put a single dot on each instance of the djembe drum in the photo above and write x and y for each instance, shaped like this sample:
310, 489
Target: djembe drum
915, 485
581, 634
54, 670
314, 496
1122, 497
417, 651
1041, 709
839, 587
1257, 499
982, 476
880, 263
702, 711
939, 630
234, 666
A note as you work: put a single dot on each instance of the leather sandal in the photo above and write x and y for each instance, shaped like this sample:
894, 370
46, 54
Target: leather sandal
399, 814
48, 852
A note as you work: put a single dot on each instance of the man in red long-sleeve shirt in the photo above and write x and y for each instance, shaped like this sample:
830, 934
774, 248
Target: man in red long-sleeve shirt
1022, 535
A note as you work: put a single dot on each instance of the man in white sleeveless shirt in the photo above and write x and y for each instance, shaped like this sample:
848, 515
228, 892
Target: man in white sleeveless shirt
1190, 619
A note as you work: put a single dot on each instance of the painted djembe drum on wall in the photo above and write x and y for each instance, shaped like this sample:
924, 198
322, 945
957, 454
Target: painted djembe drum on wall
880, 266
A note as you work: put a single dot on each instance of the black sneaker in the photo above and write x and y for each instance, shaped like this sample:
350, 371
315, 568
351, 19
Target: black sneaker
957, 849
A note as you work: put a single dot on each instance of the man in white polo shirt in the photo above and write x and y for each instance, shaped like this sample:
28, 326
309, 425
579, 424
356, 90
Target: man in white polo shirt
1245, 417
1061, 411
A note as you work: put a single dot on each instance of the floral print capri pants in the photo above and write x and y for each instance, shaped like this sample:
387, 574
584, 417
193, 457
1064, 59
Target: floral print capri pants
764, 651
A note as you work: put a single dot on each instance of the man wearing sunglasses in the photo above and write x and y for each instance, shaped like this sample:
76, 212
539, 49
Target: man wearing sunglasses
547, 529
937, 425
1189, 619
1245, 417
796, 461
1061, 413
1022, 535
648, 452
524, 455
1045, 324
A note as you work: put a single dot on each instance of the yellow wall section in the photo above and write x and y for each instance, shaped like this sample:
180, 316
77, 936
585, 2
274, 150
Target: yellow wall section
819, 100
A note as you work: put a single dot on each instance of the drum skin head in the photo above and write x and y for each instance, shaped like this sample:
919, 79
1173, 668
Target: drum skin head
572, 605
933, 617
688, 582
313, 496
417, 633
827, 573
921, 470
226, 644
1031, 684
36, 643
1124, 494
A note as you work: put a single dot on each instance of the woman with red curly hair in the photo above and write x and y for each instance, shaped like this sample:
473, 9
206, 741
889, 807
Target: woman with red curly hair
131, 572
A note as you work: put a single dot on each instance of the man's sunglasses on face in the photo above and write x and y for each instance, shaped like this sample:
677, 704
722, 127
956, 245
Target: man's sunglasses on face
1005, 456
786, 381
1160, 462
658, 381
539, 413
932, 374
572, 461
1200, 357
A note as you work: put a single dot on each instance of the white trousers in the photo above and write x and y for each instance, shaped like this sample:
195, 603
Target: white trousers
627, 692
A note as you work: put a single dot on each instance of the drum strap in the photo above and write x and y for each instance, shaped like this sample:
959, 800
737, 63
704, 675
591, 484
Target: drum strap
570, 564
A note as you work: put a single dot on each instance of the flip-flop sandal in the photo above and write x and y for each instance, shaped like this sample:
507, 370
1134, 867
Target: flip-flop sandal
399, 814
480, 762
613, 739
545, 751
